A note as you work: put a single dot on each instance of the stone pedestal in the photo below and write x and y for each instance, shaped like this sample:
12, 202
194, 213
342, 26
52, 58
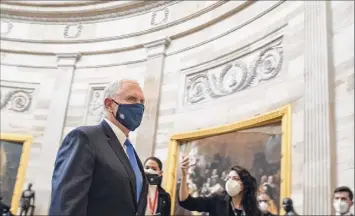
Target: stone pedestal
152, 85
318, 118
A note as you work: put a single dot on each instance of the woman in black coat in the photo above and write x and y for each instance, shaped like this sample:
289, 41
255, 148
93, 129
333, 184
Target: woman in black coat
238, 200
158, 201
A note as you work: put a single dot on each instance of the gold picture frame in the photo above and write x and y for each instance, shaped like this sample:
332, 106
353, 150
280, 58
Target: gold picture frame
21, 171
282, 115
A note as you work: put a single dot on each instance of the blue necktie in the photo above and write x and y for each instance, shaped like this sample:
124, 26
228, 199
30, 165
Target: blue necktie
133, 160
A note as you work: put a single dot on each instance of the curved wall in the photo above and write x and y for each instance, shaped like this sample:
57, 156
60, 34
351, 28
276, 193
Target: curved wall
259, 51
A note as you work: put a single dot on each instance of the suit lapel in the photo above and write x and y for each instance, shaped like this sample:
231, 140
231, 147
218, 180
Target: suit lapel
122, 156
141, 203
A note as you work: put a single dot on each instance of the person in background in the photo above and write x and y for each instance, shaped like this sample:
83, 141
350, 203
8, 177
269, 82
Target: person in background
287, 205
264, 204
263, 180
267, 193
270, 181
4, 209
239, 198
97, 171
215, 187
343, 200
159, 201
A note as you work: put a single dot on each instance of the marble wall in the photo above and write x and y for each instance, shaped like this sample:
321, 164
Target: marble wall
201, 64
343, 66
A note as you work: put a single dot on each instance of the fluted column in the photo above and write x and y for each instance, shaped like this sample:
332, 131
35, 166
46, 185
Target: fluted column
152, 86
318, 131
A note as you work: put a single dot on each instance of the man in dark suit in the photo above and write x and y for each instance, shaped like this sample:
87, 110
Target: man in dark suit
97, 171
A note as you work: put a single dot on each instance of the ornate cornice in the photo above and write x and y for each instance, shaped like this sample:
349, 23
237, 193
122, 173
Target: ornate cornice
81, 15
146, 31
51, 3
172, 37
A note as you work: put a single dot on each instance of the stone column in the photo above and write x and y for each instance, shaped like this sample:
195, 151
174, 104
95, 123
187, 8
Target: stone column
57, 112
319, 111
152, 86
60, 98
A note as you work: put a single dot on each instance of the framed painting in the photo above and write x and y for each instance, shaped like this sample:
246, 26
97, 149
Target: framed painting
14, 155
261, 144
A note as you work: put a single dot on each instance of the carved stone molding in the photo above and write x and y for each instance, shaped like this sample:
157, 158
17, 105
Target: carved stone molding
72, 31
157, 48
160, 17
6, 28
235, 76
95, 108
67, 59
16, 99
85, 16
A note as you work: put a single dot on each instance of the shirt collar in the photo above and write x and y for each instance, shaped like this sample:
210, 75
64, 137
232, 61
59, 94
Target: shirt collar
117, 131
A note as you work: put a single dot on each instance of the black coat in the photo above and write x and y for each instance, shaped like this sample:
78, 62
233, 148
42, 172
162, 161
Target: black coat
268, 214
4, 209
164, 205
93, 176
216, 205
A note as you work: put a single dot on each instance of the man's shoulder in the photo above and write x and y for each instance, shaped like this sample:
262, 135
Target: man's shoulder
88, 131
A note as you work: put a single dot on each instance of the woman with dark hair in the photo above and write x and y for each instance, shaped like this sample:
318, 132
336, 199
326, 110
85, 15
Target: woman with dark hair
239, 198
268, 193
266, 205
158, 201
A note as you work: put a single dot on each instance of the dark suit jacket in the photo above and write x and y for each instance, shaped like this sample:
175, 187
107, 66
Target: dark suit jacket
164, 204
93, 176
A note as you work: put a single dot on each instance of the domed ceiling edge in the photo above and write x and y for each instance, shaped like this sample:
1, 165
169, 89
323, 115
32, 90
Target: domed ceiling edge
93, 11
56, 3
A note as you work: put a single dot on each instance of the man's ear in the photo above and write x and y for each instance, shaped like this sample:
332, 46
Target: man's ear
161, 172
108, 103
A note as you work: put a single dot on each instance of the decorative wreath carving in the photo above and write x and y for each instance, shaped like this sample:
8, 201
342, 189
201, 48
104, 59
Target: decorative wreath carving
17, 100
234, 76
78, 27
164, 20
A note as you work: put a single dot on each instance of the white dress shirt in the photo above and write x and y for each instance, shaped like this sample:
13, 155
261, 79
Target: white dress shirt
152, 189
119, 134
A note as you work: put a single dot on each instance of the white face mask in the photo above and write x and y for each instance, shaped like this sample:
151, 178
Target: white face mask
233, 187
151, 171
263, 206
340, 206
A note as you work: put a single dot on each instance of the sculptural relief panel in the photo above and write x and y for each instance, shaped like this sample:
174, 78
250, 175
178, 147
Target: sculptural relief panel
94, 108
16, 99
244, 72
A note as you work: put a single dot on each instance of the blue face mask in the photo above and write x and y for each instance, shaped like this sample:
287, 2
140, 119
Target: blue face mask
130, 115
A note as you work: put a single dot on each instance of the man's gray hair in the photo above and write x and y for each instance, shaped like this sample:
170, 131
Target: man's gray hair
111, 89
